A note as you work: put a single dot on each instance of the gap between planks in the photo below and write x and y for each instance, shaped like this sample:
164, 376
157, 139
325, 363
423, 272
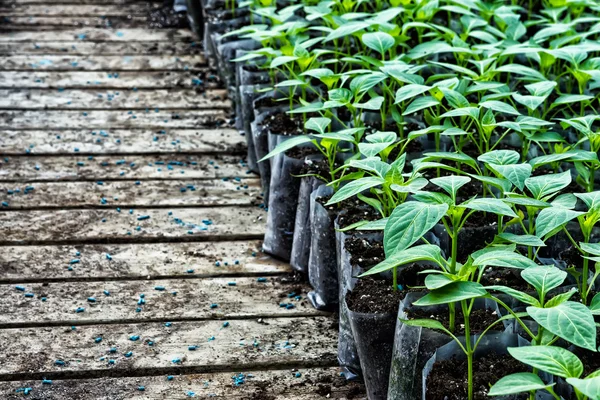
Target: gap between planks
100, 48
124, 62
100, 35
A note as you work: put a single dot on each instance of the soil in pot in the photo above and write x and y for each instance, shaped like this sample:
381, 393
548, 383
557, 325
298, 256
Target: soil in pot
479, 319
448, 378
374, 296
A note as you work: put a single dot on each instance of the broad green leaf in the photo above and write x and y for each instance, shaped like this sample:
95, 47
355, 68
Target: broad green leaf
501, 184
492, 205
436, 281
566, 200
591, 199
454, 98
571, 321
522, 240
425, 323
278, 61
515, 173
500, 107
456, 157
544, 185
500, 157
378, 225
347, 29
531, 102
287, 145
516, 294
551, 359
571, 98
381, 42
425, 252
560, 298
318, 124
544, 278
592, 248
433, 198
552, 218
376, 142
503, 258
411, 186
462, 112
371, 164
589, 387
525, 201
420, 104
408, 223
452, 293
518, 383
290, 82
407, 92
518, 69
355, 187
372, 104
595, 304
451, 183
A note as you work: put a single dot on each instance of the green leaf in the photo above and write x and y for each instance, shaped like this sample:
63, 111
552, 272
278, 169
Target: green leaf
566, 200
452, 293
503, 258
516, 294
436, 281
500, 107
425, 323
420, 104
407, 92
492, 205
462, 112
544, 278
425, 252
571, 321
456, 157
373, 104
347, 29
451, 183
378, 225
518, 69
317, 124
595, 304
551, 359
371, 164
376, 142
525, 201
355, 187
522, 240
287, 144
278, 61
518, 383
531, 102
409, 222
411, 186
544, 185
589, 387
571, 98
515, 173
560, 298
290, 82
381, 42
552, 218
500, 157
591, 199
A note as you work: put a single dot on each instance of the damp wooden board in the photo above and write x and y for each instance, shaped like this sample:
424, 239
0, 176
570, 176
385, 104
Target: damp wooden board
105, 80
134, 141
95, 99
113, 2
86, 225
99, 35
105, 119
101, 168
78, 47
135, 62
58, 22
311, 384
192, 300
22, 264
280, 342
66, 10
125, 194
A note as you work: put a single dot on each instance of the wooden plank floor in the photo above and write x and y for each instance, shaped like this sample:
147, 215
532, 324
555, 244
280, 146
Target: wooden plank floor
130, 226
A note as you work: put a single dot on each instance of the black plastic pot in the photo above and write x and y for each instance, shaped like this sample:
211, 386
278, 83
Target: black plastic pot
414, 346
496, 343
302, 231
195, 17
283, 201
322, 263
374, 337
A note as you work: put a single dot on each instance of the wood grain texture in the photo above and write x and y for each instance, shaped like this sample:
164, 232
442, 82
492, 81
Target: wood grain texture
193, 300
99, 35
137, 261
34, 62
96, 119
110, 226
100, 168
95, 99
119, 141
310, 384
65, 10
281, 342
78, 47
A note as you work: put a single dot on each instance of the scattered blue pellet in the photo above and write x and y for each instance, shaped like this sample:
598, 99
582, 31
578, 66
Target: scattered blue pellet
297, 374
20, 288
5, 204
290, 306
106, 293
225, 324
168, 324
170, 377
80, 310
59, 362
141, 388
46, 382
190, 271
176, 361
192, 348
159, 288
111, 362
98, 339
138, 183
261, 280
231, 283
43, 299
129, 354
214, 305
134, 338
217, 264
112, 350
29, 295
108, 257
143, 217
210, 339
74, 261
290, 295
91, 299
190, 394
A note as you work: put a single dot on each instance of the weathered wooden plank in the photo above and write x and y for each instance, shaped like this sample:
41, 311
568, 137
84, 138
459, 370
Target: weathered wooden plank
34, 62
280, 342
163, 193
113, 2
61, 22
95, 119
65, 10
135, 141
94, 99
21, 264
99, 35
177, 300
110, 226
103, 80
309, 384
95, 48
21, 169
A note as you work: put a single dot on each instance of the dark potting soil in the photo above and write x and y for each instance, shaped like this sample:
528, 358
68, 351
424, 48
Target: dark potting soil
282, 124
165, 17
590, 359
364, 252
356, 211
300, 153
448, 378
373, 297
479, 320
572, 257
473, 188
266, 101
505, 277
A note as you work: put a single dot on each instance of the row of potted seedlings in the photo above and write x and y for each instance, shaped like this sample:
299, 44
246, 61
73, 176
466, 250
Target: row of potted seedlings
432, 167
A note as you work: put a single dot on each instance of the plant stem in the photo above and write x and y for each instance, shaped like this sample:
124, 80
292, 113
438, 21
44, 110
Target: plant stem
469, 348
